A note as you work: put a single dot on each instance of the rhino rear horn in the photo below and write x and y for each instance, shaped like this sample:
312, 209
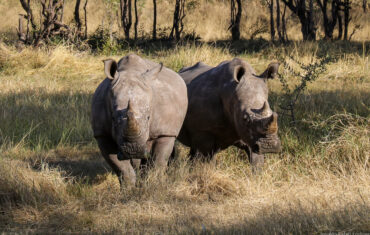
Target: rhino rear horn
110, 68
153, 72
271, 71
264, 111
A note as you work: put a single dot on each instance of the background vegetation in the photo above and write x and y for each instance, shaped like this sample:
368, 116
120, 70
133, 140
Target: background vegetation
53, 179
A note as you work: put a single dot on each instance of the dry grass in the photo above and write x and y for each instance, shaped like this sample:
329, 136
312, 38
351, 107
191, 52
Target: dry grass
53, 178
208, 19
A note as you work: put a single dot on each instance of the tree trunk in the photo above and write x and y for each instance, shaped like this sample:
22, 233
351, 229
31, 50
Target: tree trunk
85, 11
272, 25
22, 38
285, 35
305, 16
27, 8
329, 24
340, 27
278, 20
77, 15
236, 15
62, 13
136, 19
311, 23
347, 19
154, 19
178, 16
364, 5
126, 17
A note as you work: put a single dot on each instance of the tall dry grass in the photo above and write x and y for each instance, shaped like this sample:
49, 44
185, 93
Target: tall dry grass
53, 179
208, 19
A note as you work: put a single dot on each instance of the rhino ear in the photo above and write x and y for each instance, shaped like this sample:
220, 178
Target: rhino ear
239, 72
271, 71
153, 72
110, 68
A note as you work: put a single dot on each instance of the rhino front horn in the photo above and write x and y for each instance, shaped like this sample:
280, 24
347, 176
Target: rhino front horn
132, 129
273, 126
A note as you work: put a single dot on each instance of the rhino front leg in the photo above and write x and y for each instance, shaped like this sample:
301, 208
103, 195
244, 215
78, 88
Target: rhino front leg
255, 159
123, 169
162, 150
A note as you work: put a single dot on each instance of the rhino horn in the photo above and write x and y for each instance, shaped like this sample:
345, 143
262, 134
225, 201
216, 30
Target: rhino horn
132, 127
273, 126
264, 111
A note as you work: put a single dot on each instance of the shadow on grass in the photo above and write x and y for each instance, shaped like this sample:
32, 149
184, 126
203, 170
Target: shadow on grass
250, 46
297, 220
37, 119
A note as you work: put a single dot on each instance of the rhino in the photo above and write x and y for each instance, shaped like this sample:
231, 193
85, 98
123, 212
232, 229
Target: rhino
228, 105
137, 113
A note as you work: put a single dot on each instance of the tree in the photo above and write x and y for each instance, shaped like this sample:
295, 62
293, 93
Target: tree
364, 5
272, 26
154, 19
329, 23
178, 17
126, 17
25, 38
236, 15
77, 15
283, 27
278, 20
85, 11
136, 19
305, 15
346, 7
51, 22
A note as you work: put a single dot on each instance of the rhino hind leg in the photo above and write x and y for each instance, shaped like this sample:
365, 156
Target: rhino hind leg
123, 169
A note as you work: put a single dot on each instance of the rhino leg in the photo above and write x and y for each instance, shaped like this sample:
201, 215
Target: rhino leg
255, 159
162, 150
123, 169
136, 163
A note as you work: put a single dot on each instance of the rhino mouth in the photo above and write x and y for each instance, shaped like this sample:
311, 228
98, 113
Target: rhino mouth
132, 150
268, 144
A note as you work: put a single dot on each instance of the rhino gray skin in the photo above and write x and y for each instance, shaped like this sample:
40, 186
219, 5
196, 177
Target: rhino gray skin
137, 112
228, 105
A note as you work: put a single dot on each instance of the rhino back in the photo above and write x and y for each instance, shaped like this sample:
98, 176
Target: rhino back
189, 73
170, 102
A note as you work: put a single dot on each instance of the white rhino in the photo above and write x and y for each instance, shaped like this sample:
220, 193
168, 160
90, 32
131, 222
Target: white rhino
228, 105
137, 113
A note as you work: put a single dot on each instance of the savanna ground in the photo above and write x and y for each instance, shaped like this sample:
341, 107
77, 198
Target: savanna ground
53, 179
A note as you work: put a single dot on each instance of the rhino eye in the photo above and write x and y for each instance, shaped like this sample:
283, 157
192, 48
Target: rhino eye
246, 117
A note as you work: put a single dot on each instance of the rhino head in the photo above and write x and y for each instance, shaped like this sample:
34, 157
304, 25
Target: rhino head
246, 99
130, 108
